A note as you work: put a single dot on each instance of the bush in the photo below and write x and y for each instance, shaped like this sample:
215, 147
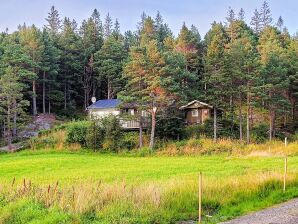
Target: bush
130, 140
170, 128
112, 133
94, 136
259, 133
77, 131
194, 131
225, 128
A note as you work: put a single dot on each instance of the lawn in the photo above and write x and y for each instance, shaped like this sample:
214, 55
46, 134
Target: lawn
108, 188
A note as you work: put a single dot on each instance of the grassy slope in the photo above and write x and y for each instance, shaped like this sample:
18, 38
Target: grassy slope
69, 168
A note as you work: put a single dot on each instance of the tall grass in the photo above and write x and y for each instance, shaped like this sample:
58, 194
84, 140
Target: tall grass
206, 146
151, 202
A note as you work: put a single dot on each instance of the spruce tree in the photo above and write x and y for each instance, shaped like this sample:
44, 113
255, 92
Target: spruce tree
280, 23
30, 38
216, 77
256, 22
265, 13
108, 26
241, 15
54, 22
12, 103
230, 15
108, 66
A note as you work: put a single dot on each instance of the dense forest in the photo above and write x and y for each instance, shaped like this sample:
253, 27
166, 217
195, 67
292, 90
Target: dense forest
246, 70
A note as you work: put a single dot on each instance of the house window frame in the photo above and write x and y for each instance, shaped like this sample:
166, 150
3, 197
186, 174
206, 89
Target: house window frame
195, 113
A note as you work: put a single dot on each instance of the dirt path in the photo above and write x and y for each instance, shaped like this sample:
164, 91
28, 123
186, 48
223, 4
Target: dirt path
285, 213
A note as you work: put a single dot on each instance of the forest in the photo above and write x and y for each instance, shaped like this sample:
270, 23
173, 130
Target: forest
248, 70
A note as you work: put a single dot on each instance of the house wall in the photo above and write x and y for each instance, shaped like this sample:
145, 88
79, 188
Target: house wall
99, 113
203, 114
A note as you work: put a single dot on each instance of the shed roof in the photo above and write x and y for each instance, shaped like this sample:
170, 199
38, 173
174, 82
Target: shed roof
197, 104
105, 104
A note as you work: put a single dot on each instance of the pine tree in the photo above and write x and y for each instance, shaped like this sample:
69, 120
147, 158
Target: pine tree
108, 26
96, 19
265, 13
241, 15
54, 22
129, 40
30, 38
140, 25
162, 30
230, 15
71, 65
280, 23
108, 65
256, 22
49, 69
274, 74
116, 31
12, 104
215, 77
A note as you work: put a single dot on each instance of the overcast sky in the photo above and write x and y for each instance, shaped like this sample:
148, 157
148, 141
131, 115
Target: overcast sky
201, 13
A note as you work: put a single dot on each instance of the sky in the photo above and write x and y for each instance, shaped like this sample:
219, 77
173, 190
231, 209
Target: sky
201, 13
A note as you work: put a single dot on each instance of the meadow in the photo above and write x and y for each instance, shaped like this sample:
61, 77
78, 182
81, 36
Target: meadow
52, 186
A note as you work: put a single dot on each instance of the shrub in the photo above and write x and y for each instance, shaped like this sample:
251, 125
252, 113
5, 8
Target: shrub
259, 133
77, 131
130, 140
94, 136
225, 128
194, 131
112, 133
169, 128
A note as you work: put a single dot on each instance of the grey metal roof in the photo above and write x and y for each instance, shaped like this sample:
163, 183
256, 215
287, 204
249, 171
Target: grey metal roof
104, 104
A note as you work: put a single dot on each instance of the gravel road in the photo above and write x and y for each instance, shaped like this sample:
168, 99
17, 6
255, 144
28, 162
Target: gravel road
285, 213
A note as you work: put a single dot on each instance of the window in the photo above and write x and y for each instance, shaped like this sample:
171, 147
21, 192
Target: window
131, 112
195, 113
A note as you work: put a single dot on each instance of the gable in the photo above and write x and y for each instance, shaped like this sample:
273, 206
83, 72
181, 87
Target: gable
195, 105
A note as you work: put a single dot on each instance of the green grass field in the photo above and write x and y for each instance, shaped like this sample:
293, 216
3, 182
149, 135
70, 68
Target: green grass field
107, 188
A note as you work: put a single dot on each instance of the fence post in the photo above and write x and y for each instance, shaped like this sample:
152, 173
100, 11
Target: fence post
200, 197
286, 141
285, 174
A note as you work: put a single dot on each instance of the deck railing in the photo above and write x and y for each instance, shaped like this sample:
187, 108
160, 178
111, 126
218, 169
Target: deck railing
132, 124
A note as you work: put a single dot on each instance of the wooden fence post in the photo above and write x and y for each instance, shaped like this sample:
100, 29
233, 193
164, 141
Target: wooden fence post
285, 173
286, 141
200, 197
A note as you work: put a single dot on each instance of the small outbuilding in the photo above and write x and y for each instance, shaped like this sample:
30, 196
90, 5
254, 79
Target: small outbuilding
197, 112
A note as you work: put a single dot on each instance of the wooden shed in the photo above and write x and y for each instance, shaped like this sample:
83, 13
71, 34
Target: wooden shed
196, 112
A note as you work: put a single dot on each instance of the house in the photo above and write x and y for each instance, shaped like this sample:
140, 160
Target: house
197, 112
126, 113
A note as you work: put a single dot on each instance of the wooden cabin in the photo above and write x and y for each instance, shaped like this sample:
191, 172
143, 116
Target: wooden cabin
197, 112
126, 113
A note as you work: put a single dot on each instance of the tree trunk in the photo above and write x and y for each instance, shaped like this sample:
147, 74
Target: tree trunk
44, 93
65, 97
109, 89
141, 131
214, 124
14, 131
34, 98
271, 123
8, 131
240, 120
248, 119
153, 124
49, 100
85, 98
